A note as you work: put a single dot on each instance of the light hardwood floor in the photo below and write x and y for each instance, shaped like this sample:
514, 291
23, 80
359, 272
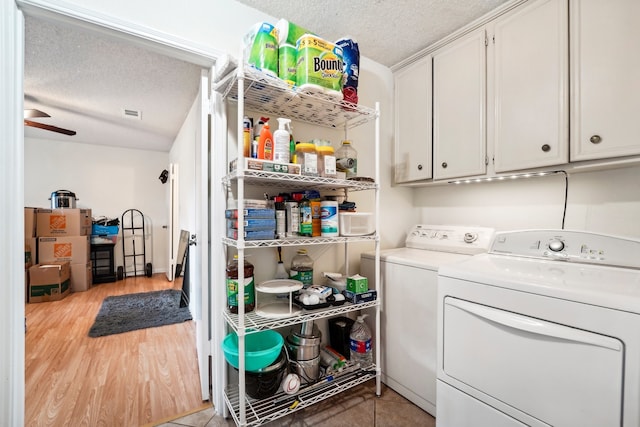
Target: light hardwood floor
129, 379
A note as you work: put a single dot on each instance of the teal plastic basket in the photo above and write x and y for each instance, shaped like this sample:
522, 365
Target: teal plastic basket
261, 349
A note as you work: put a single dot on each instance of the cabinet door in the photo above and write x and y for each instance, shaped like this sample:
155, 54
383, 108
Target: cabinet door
605, 61
459, 97
413, 122
530, 72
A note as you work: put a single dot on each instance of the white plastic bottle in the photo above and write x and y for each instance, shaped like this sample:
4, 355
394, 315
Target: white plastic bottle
360, 343
281, 139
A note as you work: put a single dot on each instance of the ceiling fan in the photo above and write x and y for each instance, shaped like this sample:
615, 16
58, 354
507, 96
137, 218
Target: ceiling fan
33, 113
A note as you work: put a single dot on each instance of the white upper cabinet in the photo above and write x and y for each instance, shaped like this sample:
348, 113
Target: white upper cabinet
530, 86
459, 107
605, 61
413, 122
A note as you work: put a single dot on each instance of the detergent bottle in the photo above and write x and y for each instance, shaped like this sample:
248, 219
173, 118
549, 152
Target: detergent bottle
265, 143
281, 139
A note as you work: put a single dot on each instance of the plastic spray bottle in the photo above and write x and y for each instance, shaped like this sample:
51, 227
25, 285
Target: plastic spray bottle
265, 143
281, 139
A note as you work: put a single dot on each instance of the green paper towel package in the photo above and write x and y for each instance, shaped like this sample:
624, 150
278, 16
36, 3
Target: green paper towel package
261, 48
289, 33
320, 66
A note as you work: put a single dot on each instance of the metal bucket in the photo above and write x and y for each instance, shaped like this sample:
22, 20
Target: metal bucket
63, 199
304, 351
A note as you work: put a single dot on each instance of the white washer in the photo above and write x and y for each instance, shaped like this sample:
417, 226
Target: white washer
544, 330
408, 315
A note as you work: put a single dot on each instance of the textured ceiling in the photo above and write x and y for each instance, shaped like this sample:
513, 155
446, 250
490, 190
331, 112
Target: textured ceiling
84, 80
386, 31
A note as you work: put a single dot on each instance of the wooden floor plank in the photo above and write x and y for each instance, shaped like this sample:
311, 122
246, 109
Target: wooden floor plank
130, 379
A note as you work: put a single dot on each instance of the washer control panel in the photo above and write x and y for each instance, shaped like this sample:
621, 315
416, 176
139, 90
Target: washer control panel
575, 246
450, 238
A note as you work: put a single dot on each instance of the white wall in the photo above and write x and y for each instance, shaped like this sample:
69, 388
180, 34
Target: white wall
108, 180
603, 201
183, 153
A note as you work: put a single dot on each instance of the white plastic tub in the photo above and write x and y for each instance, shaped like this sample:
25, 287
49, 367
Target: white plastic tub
356, 223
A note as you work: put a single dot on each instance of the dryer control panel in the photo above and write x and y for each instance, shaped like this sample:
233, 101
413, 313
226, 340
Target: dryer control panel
450, 238
574, 246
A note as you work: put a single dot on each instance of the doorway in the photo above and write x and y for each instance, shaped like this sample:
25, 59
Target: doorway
183, 51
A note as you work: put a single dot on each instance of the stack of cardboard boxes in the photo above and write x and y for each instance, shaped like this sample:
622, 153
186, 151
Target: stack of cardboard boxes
62, 236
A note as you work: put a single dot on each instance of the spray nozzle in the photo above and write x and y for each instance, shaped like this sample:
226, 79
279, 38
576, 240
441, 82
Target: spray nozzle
284, 123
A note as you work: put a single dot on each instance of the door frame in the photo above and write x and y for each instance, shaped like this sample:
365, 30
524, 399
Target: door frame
12, 391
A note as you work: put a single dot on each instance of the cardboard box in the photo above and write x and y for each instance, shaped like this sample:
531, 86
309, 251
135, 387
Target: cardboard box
29, 222
266, 166
360, 298
251, 213
75, 249
357, 284
63, 222
49, 282
81, 277
29, 253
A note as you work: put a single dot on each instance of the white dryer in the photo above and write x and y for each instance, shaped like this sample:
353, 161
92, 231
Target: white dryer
408, 313
544, 330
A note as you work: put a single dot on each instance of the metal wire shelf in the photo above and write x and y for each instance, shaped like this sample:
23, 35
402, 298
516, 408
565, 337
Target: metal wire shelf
256, 322
299, 241
290, 181
272, 95
263, 411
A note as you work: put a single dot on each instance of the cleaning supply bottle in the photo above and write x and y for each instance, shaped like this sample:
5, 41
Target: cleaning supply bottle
281, 142
233, 286
360, 343
265, 143
292, 144
247, 135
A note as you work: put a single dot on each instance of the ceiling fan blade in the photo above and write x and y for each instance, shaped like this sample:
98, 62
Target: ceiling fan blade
49, 127
32, 113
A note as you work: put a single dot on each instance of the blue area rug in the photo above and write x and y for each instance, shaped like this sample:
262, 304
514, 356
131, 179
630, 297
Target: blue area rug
124, 313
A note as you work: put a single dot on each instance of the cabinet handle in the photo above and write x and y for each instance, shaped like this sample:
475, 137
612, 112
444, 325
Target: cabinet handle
444, 165
419, 167
595, 139
546, 148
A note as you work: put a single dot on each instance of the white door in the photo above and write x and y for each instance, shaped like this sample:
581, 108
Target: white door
12, 215
199, 251
530, 92
174, 226
459, 108
413, 122
605, 67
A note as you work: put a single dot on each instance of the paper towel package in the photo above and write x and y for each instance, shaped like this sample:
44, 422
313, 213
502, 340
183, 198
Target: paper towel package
320, 66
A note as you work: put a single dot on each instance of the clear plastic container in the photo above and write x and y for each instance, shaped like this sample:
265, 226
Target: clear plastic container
360, 346
307, 157
302, 268
347, 159
326, 161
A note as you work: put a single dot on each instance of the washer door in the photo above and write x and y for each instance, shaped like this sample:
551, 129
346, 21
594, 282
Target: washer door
556, 374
